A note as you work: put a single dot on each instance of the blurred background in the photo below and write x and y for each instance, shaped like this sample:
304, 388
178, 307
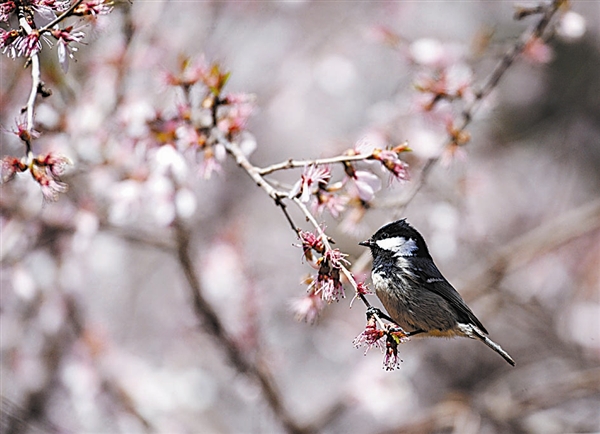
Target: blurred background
98, 333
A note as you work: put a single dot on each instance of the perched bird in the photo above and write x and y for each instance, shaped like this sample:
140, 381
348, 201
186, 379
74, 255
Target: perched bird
413, 291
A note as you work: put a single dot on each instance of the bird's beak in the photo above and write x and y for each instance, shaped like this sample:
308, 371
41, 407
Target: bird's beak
366, 243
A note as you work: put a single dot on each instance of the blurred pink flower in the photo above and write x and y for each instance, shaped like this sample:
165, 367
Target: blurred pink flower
334, 203
307, 308
9, 167
93, 8
46, 170
537, 51
367, 184
7, 8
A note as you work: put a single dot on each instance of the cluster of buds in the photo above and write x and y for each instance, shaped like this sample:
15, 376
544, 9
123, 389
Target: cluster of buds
228, 112
329, 262
386, 340
45, 170
446, 84
192, 126
327, 282
390, 159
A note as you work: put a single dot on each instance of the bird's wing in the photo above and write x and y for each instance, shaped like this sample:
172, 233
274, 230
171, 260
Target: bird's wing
430, 278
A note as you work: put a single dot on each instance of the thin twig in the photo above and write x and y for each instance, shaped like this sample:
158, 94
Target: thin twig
61, 17
35, 85
290, 164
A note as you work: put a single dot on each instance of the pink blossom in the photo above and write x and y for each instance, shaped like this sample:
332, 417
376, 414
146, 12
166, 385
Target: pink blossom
189, 74
391, 360
49, 8
370, 337
236, 118
367, 184
373, 337
537, 51
9, 166
391, 161
329, 288
311, 242
313, 177
328, 283
28, 45
22, 131
7, 8
212, 161
93, 8
336, 258
51, 186
46, 170
7, 42
56, 164
65, 51
333, 203
361, 289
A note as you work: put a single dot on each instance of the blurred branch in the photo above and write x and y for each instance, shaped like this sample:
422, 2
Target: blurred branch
572, 385
213, 325
538, 241
489, 84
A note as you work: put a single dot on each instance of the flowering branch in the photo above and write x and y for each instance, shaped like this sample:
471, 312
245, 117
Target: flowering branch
61, 17
26, 41
457, 134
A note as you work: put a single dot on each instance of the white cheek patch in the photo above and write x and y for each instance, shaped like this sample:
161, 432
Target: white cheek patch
399, 245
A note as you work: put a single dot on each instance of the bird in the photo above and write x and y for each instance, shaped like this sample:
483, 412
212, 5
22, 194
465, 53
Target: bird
413, 291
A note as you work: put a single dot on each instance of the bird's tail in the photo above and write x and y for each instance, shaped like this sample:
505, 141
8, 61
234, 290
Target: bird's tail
478, 334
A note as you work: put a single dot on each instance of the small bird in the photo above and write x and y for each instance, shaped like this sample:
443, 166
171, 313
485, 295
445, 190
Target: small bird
414, 292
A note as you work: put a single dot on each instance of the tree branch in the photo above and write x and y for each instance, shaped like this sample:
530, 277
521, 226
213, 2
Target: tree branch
290, 164
214, 327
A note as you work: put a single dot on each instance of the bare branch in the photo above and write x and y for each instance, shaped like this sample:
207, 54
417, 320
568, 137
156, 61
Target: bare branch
290, 164
35, 85
214, 327
538, 241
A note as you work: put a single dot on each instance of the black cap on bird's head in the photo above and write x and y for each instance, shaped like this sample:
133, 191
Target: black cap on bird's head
398, 237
